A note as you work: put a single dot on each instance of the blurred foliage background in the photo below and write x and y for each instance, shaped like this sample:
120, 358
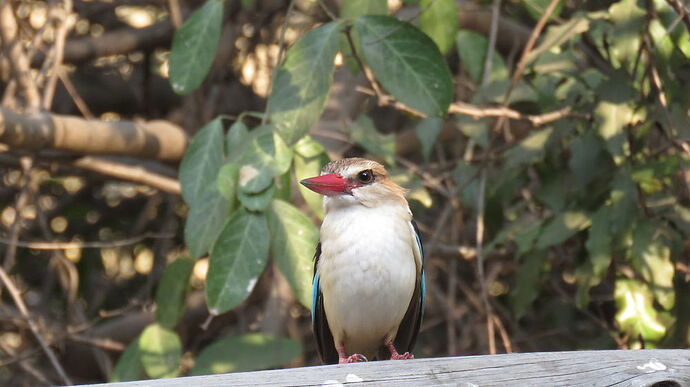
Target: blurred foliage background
152, 224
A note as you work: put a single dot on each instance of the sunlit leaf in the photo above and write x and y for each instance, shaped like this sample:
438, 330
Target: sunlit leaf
364, 133
171, 290
529, 150
308, 147
406, 62
439, 20
562, 227
304, 169
293, 241
254, 351
627, 17
237, 259
128, 366
414, 186
205, 220
194, 47
612, 119
228, 180
651, 257
202, 160
161, 351
427, 131
636, 314
527, 284
303, 82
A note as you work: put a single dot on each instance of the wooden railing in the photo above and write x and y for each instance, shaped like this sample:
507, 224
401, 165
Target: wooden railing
653, 368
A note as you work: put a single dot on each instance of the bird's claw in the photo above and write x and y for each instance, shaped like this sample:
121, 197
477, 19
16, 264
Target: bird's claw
402, 356
356, 358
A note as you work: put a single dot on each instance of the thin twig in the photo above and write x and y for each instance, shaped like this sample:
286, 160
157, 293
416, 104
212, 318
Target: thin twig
522, 63
489, 60
482, 112
682, 11
17, 59
78, 100
175, 13
17, 298
62, 26
367, 73
279, 61
86, 245
480, 263
325, 9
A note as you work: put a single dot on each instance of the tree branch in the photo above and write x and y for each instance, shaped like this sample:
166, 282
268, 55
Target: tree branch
159, 140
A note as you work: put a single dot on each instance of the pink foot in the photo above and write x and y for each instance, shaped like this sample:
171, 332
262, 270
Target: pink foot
402, 356
356, 358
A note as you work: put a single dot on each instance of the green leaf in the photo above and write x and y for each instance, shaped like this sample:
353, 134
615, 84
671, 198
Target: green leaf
439, 20
306, 167
254, 351
406, 62
194, 47
204, 221
562, 227
202, 160
627, 17
558, 34
527, 235
308, 147
527, 285
227, 181
427, 131
236, 140
257, 201
293, 242
636, 314
612, 119
364, 133
264, 157
472, 48
623, 202
599, 247
303, 82
350, 9
128, 366
161, 352
529, 150
651, 257
238, 258
587, 158
171, 290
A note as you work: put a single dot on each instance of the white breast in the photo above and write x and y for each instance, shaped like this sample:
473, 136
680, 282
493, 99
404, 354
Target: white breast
367, 274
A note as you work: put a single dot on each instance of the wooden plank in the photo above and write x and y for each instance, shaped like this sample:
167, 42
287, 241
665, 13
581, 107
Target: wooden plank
670, 367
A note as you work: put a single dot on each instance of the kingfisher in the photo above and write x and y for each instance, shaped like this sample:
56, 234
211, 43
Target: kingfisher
368, 284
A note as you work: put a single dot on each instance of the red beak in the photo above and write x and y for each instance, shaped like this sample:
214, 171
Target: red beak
331, 184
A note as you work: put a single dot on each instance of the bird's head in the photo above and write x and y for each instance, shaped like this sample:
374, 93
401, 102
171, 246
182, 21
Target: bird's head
355, 181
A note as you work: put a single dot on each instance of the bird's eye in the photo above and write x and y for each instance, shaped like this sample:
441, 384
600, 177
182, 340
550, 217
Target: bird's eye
365, 176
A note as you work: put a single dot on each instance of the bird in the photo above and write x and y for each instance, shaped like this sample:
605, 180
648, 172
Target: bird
368, 283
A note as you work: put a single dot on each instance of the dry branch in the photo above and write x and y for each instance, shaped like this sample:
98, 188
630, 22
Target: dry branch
159, 140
